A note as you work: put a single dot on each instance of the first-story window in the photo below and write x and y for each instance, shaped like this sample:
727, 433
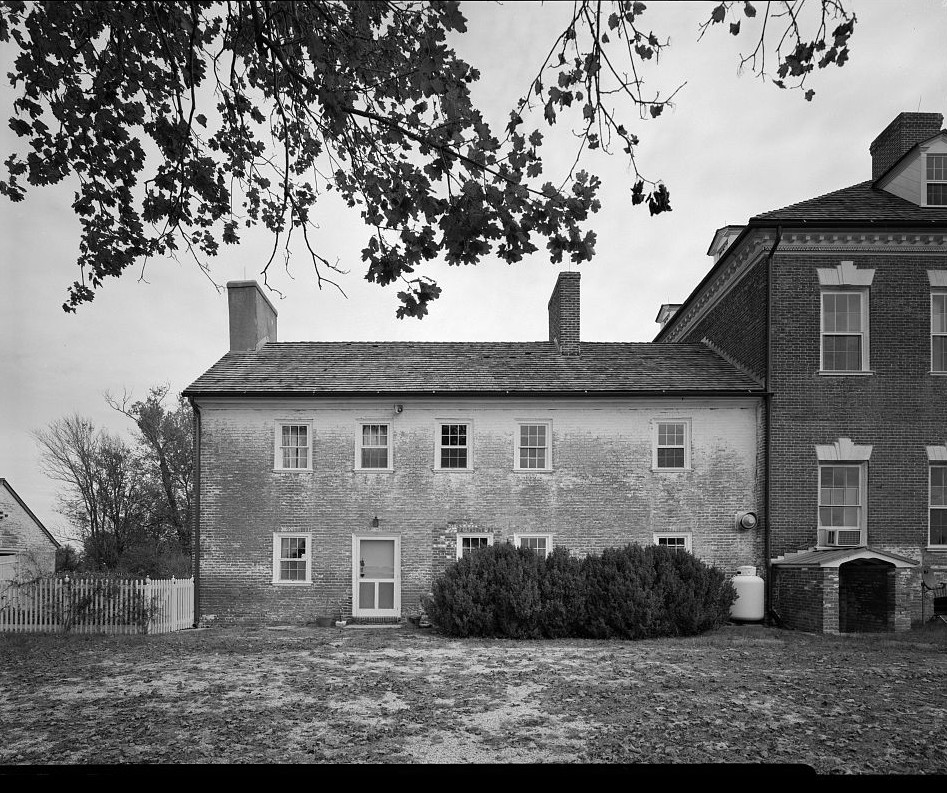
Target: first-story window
533, 447
472, 542
844, 331
540, 543
374, 446
292, 558
939, 332
842, 504
676, 542
671, 446
453, 448
938, 506
292, 447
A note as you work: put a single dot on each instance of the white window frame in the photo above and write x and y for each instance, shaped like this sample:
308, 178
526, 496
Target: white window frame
675, 535
931, 505
518, 538
278, 444
863, 333
927, 181
935, 293
862, 506
520, 423
438, 443
466, 535
360, 424
655, 435
277, 558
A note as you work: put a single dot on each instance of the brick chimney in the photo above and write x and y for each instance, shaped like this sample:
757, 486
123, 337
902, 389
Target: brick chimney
907, 130
564, 314
252, 316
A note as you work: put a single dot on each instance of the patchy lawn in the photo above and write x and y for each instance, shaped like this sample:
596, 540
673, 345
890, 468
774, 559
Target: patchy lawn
862, 704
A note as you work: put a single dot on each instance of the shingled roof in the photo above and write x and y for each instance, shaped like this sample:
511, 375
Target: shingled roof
858, 204
357, 368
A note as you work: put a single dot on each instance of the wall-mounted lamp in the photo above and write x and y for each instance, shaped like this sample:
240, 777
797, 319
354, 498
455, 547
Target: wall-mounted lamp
375, 522
746, 520
399, 408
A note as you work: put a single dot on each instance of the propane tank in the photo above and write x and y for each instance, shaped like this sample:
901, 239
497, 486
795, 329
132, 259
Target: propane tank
748, 607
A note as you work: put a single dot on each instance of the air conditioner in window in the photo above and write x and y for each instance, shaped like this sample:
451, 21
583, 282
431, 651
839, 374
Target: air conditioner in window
842, 537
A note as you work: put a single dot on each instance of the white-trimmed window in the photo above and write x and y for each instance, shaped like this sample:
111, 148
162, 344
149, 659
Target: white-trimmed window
938, 506
453, 446
374, 447
842, 500
844, 330
293, 446
675, 541
671, 446
292, 558
939, 331
935, 178
540, 543
471, 542
533, 446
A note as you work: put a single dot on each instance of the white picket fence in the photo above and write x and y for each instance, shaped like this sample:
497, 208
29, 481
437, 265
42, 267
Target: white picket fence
98, 605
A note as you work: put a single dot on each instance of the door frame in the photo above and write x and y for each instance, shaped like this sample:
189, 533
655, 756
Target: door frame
360, 612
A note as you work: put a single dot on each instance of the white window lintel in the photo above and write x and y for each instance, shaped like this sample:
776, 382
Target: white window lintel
843, 450
845, 274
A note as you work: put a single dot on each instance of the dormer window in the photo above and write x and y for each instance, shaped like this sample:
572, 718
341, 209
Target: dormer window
936, 179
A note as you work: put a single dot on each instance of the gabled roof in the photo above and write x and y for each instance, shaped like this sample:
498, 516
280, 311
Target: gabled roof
835, 557
28, 511
470, 368
860, 204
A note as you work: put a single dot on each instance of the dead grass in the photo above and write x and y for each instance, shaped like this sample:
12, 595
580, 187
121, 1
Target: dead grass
852, 704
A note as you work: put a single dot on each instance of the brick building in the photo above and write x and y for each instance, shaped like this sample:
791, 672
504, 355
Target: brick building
839, 306
27, 549
354, 472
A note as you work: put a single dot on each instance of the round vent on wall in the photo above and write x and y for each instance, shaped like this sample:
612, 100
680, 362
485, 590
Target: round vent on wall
746, 521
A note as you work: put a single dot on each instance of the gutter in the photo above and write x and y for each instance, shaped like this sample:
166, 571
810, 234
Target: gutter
573, 394
768, 415
196, 513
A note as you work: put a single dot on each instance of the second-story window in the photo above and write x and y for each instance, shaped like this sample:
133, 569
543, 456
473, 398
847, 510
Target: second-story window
374, 446
453, 448
292, 447
936, 178
533, 447
671, 446
844, 331
939, 331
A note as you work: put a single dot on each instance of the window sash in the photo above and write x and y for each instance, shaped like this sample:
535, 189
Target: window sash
937, 167
939, 331
676, 542
938, 505
840, 497
472, 542
294, 446
375, 446
533, 446
453, 446
844, 331
671, 444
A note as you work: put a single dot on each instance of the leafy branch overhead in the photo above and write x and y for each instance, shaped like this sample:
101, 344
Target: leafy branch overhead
182, 124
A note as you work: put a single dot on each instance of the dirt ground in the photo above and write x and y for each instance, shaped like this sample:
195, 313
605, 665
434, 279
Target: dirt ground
852, 704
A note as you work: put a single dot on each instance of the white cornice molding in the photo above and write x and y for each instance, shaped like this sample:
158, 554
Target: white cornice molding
862, 242
843, 450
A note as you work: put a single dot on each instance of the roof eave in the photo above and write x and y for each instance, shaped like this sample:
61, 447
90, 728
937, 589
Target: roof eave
603, 393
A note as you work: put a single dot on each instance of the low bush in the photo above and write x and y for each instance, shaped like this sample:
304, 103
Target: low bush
633, 592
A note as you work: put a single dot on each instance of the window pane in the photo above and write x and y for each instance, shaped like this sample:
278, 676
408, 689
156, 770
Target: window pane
842, 353
453, 435
670, 458
386, 595
939, 313
937, 167
939, 527
938, 485
937, 194
670, 434
374, 458
453, 458
939, 356
366, 595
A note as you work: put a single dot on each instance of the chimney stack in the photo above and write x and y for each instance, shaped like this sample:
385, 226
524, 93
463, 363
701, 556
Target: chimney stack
564, 314
902, 134
252, 316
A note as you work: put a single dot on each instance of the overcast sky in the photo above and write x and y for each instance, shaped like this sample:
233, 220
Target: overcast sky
732, 147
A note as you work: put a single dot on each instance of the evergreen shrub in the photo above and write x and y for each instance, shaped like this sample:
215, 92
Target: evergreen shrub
633, 592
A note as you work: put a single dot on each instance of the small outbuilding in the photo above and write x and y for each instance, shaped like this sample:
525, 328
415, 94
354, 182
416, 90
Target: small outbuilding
27, 549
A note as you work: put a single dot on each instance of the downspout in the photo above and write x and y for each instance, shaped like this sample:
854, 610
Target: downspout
196, 513
768, 414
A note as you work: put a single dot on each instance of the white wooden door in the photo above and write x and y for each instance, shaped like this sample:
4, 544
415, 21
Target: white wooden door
376, 585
